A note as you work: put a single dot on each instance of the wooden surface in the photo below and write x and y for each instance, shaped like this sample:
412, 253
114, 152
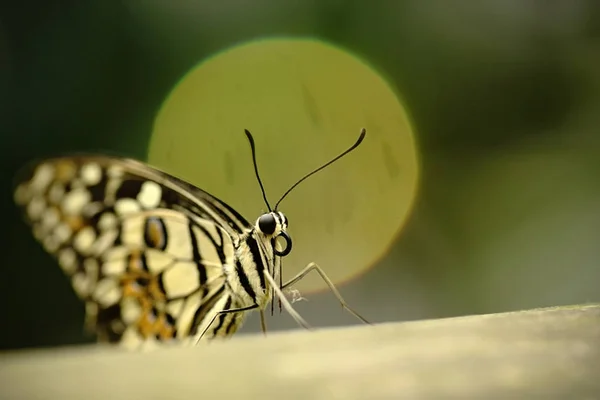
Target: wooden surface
545, 354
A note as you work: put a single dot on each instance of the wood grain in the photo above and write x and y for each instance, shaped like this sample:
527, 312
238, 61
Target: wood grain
547, 353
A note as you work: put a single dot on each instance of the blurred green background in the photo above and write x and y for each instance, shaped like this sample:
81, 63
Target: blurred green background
504, 96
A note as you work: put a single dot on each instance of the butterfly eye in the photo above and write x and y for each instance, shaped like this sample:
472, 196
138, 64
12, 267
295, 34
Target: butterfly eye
267, 224
286, 248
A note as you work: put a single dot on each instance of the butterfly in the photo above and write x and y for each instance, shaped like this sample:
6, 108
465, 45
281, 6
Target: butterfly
155, 258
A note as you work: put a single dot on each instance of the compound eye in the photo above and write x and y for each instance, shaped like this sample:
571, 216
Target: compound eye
285, 247
267, 224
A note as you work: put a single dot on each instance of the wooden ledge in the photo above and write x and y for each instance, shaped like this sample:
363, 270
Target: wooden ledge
551, 353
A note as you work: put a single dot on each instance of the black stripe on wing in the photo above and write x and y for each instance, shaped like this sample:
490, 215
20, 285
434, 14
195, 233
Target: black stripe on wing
142, 250
109, 179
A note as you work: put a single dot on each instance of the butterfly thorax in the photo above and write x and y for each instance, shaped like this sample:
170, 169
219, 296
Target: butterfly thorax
255, 253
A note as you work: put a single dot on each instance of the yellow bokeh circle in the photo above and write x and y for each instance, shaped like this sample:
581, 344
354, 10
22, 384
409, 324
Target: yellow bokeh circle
305, 102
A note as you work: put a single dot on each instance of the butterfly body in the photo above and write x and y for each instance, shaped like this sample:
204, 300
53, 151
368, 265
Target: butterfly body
153, 257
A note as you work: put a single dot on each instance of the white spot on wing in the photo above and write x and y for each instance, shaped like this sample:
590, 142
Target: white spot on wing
50, 218
91, 309
67, 259
108, 220
104, 241
91, 174
81, 284
75, 200
21, 194
107, 292
116, 253
36, 207
132, 233
91, 209
84, 239
115, 171
56, 192
38, 232
51, 243
114, 267
131, 339
91, 268
127, 206
63, 232
130, 310
117, 326
150, 194
42, 177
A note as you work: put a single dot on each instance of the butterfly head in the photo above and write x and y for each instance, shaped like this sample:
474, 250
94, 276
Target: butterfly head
274, 226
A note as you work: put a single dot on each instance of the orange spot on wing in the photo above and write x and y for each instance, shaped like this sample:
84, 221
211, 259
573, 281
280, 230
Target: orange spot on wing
155, 234
145, 288
65, 171
151, 325
74, 222
135, 261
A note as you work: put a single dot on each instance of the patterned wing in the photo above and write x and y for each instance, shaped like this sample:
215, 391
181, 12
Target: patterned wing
145, 251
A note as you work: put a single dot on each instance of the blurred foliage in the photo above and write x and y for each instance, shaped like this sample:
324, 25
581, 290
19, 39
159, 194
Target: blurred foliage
504, 95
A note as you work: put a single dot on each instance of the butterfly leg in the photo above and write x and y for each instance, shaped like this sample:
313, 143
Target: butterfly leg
263, 323
285, 302
314, 267
219, 313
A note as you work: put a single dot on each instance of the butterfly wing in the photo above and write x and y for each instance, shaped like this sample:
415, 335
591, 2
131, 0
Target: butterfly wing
124, 183
144, 250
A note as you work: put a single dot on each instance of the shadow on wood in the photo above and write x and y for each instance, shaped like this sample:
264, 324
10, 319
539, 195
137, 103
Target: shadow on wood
549, 353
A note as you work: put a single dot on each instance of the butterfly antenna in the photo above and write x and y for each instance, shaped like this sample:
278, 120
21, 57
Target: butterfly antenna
363, 132
262, 188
